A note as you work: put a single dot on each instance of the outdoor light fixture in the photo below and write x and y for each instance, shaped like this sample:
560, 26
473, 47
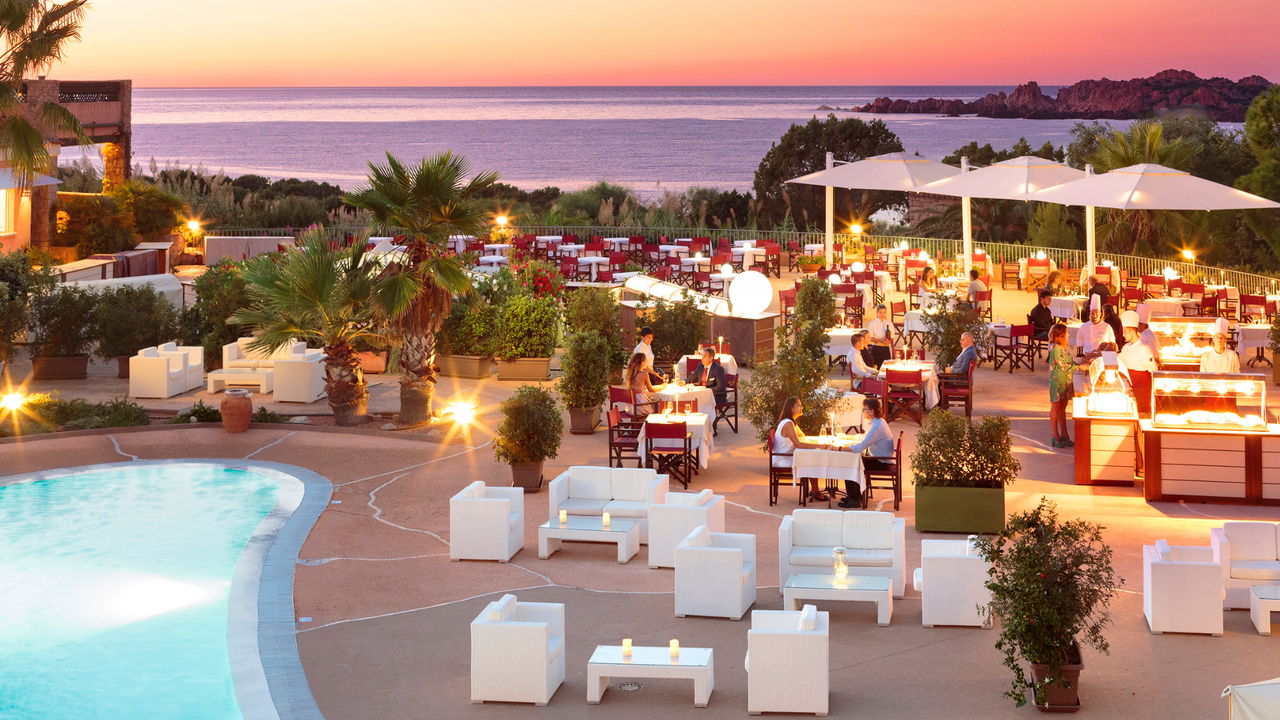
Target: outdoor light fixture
1189, 255
193, 226
726, 269
903, 245
857, 267
1040, 255
604, 519
924, 255
502, 220
750, 293
461, 411
626, 647
856, 229
839, 566
1106, 263
13, 402
564, 516
833, 278
1169, 273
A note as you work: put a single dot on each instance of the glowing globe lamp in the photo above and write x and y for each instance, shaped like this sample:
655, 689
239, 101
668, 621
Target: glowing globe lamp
750, 293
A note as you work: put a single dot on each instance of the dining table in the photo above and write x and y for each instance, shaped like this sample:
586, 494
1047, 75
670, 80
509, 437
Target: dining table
726, 361
840, 341
1024, 274
928, 378
830, 464
749, 255
595, 262
700, 433
671, 392
1169, 306
1067, 306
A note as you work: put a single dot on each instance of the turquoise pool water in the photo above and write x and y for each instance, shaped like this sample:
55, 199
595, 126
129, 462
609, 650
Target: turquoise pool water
113, 591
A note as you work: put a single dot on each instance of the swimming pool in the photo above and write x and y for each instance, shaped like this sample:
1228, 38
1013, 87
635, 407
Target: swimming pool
116, 583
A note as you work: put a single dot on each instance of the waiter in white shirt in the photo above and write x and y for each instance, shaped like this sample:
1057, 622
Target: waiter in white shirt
1135, 355
880, 335
1096, 331
1218, 359
645, 347
1145, 336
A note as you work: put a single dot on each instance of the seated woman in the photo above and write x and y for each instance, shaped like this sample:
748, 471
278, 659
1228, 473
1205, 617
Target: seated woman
788, 438
638, 382
878, 445
928, 285
1054, 283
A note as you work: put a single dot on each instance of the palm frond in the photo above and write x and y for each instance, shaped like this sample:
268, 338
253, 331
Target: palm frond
22, 146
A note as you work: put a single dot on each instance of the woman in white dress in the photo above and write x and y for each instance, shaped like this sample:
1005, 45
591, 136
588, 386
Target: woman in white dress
788, 437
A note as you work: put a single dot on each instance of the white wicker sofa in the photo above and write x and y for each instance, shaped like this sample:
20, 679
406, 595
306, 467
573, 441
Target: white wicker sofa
517, 652
486, 523
621, 492
952, 581
788, 661
1181, 589
1250, 555
874, 542
239, 355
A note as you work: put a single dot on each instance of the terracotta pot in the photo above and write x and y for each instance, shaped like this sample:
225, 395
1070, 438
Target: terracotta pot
73, 367
122, 362
810, 269
1057, 698
373, 363
474, 367
583, 421
236, 408
353, 414
525, 369
527, 476
615, 376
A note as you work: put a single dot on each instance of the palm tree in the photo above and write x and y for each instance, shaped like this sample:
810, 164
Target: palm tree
427, 204
1146, 232
327, 297
35, 35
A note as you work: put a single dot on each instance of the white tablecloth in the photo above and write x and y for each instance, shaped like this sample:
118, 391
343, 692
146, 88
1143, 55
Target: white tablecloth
815, 247
699, 426
459, 242
744, 243
571, 249
913, 320
674, 249
1067, 306
749, 255
1115, 277
827, 464
496, 248
931, 394
726, 361
849, 411
703, 263
669, 393
594, 262
841, 340
1253, 336
492, 260
1025, 276
985, 267
1168, 307
557, 238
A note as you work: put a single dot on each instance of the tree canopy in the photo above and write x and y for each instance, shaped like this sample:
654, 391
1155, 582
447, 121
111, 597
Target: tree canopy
986, 155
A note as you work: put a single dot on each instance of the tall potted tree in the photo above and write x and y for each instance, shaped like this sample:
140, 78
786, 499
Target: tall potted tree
678, 327
62, 320
527, 327
130, 318
1051, 585
961, 468
585, 380
425, 205
528, 435
943, 328
332, 298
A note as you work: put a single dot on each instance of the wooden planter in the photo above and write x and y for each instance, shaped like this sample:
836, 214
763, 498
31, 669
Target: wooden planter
525, 369
959, 510
527, 476
474, 367
74, 367
373, 363
583, 421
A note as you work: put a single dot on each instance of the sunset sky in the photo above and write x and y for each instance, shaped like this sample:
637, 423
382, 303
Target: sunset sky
195, 43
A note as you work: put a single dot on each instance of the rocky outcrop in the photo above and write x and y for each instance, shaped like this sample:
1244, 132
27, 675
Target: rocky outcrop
1220, 98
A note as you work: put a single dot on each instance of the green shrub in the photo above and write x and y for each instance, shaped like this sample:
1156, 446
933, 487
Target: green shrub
585, 368
678, 326
531, 427
527, 327
201, 412
263, 415
80, 414
130, 318
953, 451
92, 224
943, 328
220, 294
597, 309
470, 329
62, 321
155, 212
815, 312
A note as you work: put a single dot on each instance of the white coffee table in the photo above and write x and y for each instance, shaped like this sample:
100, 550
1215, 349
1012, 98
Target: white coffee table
1263, 600
590, 528
693, 664
855, 588
221, 379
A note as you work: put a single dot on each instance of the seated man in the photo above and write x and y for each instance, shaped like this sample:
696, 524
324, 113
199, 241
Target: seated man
711, 375
858, 367
1099, 289
968, 353
1041, 319
975, 286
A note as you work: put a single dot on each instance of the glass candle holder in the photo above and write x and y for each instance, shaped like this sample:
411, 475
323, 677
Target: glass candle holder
839, 567
675, 648
626, 647
564, 516
605, 519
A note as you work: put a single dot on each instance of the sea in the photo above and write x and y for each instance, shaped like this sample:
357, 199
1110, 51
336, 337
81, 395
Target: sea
647, 138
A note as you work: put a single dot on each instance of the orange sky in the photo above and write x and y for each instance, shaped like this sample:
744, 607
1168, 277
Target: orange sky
189, 43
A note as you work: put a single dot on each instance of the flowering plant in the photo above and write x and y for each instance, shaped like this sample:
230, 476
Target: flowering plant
540, 278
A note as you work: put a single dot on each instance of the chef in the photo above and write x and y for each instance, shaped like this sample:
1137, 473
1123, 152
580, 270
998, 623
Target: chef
1096, 331
1135, 354
1145, 336
1218, 359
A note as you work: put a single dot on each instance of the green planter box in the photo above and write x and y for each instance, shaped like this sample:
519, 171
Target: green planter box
959, 510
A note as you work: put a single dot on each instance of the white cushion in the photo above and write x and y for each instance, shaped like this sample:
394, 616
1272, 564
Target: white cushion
868, 529
251, 354
817, 528
556, 644
590, 483
689, 499
808, 618
517, 520
811, 556
917, 579
503, 609
630, 483
701, 537
1255, 569
247, 363
574, 506
748, 572
1251, 540
1162, 549
474, 490
627, 509
868, 557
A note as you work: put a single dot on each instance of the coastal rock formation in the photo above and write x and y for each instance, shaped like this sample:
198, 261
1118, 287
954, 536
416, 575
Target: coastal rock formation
1222, 99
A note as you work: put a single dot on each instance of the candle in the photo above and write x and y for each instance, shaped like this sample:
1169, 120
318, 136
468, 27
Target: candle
626, 647
720, 345
675, 648
605, 519
564, 516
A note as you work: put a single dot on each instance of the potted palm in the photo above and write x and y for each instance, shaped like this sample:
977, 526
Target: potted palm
961, 468
131, 318
333, 298
61, 320
585, 380
467, 339
526, 337
528, 435
1051, 585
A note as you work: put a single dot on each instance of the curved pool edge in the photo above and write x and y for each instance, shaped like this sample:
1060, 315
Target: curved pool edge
262, 646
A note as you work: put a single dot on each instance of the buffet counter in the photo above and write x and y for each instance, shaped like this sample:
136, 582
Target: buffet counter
1207, 466
1105, 415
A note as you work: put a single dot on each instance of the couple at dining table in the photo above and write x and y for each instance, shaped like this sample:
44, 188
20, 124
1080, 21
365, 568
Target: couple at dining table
709, 374
877, 444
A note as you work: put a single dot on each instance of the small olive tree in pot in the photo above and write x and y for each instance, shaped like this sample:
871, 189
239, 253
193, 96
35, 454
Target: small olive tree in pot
61, 321
943, 328
528, 435
584, 384
961, 468
129, 319
1051, 585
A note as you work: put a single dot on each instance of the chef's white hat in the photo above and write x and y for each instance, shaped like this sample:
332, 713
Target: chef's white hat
1095, 303
1144, 314
1221, 327
1129, 318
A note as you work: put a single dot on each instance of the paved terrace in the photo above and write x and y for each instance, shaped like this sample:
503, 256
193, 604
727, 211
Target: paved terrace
389, 638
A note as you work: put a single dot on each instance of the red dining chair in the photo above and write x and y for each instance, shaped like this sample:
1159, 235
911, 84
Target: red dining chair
904, 394
675, 456
624, 439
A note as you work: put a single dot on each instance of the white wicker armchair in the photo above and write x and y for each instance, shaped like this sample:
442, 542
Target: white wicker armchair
1181, 589
952, 581
715, 574
486, 523
788, 662
517, 652
1250, 555
155, 374
195, 362
676, 517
